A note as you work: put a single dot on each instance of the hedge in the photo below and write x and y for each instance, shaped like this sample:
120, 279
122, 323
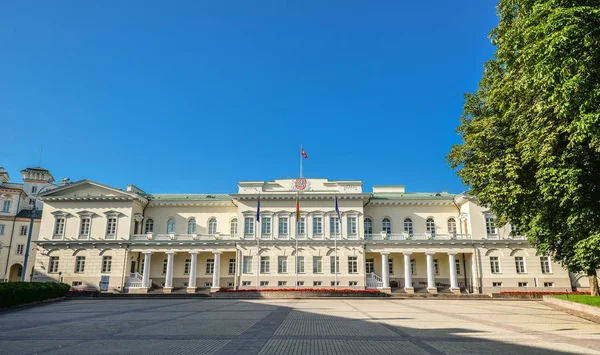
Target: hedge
15, 293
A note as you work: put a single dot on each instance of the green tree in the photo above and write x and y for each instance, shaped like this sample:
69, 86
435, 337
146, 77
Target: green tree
531, 132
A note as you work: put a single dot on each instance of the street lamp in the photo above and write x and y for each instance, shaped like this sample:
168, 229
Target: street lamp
24, 272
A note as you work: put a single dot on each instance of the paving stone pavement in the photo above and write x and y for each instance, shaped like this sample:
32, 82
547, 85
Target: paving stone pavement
295, 326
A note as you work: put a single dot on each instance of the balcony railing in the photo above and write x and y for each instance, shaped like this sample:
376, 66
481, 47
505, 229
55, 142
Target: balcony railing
415, 236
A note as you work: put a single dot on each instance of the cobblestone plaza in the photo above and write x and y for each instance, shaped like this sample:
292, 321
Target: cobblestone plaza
304, 326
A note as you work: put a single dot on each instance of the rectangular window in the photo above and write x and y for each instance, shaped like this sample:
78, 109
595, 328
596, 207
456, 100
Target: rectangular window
548, 284
496, 284
31, 201
523, 284
76, 283
352, 264
317, 264
301, 228
281, 283
520, 264
353, 283
2, 229
106, 264
20, 248
436, 267
351, 222
494, 265
300, 283
333, 283
391, 266
335, 264
164, 269
186, 266
264, 283
210, 266
317, 225
33, 189
317, 283
282, 264
265, 264
111, 227
248, 226
231, 269
6, 206
53, 266
545, 263
23, 230
283, 225
247, 264
246, 283
208, 284
266, 226
300, 265
457, 263
413, 267
233, 230
84, 230
80, 264
490, 225
334, 225
369, 266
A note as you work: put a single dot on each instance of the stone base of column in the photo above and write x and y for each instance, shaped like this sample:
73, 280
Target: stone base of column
409, 290
387, 290
432, 290
191, 290
456, 291
138, 290
167, 289
214, 289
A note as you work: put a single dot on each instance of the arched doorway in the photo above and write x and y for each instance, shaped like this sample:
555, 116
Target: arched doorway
15, 273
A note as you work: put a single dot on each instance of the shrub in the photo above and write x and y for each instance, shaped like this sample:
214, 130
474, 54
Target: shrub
15, 293
544, 293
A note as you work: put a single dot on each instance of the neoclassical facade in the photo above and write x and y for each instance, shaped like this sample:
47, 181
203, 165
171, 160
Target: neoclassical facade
387, 239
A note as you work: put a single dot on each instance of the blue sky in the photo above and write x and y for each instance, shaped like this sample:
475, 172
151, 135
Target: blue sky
196, 96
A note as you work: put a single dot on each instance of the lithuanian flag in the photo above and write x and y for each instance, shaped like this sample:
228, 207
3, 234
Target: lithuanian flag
297, 206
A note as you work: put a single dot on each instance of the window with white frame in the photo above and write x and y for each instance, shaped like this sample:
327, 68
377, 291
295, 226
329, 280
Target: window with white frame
334, 225
494, 265
391, 266
247, 264
33, 189
457, 264
430, 225
212, 226
520, 264
334, 262
386, 225
23, 230
281, 283
548, 284
106, 264
300, 283
246, 283
408, 226
451, 225
80, 264
351, 225
368, 226
76, 283
300, 264
2, 226
6, 206
352, 283
210, 266
282, 264
317, 264
514, 230
523, 284
490, 225
171, 225
208, 284
53, 265
317, 283
369, 266
59, 226
436, 267
335, 283
111, 227
84, 227
231, 268
20, 248
545, 264
31, 201
186, 266
301, 226
283, 225
248, 226
352, 264
233, 230
265, 264
164, 268
496, 284
191, 226
413, 267
317, 225
265, 227
264, 283
149, 227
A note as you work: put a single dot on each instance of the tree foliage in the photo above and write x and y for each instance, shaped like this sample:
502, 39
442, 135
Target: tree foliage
531, 132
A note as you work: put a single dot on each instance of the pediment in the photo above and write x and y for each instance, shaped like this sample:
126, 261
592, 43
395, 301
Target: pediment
88, 189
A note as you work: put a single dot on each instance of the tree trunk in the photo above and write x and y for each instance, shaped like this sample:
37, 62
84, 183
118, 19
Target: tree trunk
593, 283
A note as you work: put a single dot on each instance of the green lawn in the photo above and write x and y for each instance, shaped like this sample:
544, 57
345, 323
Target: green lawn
587, 299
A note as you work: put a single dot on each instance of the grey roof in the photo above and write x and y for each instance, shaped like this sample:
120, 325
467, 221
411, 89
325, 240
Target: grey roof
37, 214
412, 196
190, 197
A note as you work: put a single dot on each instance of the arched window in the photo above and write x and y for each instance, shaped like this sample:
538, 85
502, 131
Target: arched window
212, 226
233, 230
149, 227
451, 225
386, 225
430, 225
408, 226
171, 225
368, 226
192, 226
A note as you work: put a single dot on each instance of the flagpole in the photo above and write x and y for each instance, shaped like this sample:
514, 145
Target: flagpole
297, 223
301, 161
257, 236
335, 247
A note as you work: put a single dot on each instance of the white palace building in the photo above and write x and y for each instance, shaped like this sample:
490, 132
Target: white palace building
387, 239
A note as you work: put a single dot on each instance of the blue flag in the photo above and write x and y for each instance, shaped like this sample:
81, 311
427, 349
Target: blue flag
337, 209
258, 209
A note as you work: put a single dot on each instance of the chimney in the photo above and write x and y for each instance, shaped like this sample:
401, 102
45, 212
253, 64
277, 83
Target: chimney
3, 176
65, 181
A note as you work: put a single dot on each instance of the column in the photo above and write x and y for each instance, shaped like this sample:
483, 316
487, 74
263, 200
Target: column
453, 277
169, 277
146, 272
408, 288
385, 270
216, 279
193, 266
430, 273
